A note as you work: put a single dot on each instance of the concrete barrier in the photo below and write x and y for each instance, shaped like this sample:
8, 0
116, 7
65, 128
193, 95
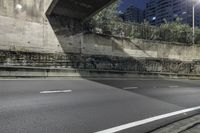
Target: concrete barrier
42, 72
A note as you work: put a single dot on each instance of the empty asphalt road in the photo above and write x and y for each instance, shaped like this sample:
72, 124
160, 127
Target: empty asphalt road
87, 106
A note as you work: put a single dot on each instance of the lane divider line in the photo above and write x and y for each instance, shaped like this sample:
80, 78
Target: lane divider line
60, 91
148, 120
173, 86
130, 88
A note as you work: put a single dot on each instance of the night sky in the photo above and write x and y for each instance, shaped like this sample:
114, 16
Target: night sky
137, 3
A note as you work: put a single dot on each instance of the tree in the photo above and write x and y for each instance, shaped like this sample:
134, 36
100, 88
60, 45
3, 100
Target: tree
107, 18
176, 31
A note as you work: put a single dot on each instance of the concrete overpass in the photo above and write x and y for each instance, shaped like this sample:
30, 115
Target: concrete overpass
45, 25
79, 9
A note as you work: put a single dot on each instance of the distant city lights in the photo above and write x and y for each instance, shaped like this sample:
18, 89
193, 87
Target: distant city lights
154, 18
184, 12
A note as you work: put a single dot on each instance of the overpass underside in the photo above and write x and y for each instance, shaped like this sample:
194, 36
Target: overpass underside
77, 9
66, 18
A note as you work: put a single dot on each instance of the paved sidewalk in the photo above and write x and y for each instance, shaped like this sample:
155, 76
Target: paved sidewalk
195, 129
190, 125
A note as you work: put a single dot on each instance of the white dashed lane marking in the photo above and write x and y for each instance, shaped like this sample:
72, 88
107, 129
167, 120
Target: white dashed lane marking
175, 86
59, 91
130, 88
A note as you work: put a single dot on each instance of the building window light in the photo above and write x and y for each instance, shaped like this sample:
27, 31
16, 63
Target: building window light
154, 18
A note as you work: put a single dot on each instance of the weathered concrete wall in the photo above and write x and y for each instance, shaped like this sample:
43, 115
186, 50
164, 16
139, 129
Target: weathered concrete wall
104, 45
169, 50
24, 26
98, 62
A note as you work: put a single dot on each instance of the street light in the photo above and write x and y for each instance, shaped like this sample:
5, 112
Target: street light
195, 2
18, 6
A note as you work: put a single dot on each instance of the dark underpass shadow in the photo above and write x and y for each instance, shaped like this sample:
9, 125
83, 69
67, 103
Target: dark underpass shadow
70, 31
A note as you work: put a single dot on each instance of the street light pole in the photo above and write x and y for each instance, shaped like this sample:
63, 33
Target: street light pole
194, 2
193, 23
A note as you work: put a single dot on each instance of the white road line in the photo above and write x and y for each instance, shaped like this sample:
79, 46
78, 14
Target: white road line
148, 120
43, 79
61, 91
175, 86
130, 88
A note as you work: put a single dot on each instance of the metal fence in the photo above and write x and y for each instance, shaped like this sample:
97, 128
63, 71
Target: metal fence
143, 31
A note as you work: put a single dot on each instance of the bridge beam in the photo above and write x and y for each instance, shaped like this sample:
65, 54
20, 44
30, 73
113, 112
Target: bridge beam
78, 9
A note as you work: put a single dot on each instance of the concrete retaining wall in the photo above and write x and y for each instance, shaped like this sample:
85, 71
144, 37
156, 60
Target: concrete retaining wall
100, 62
105, 45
